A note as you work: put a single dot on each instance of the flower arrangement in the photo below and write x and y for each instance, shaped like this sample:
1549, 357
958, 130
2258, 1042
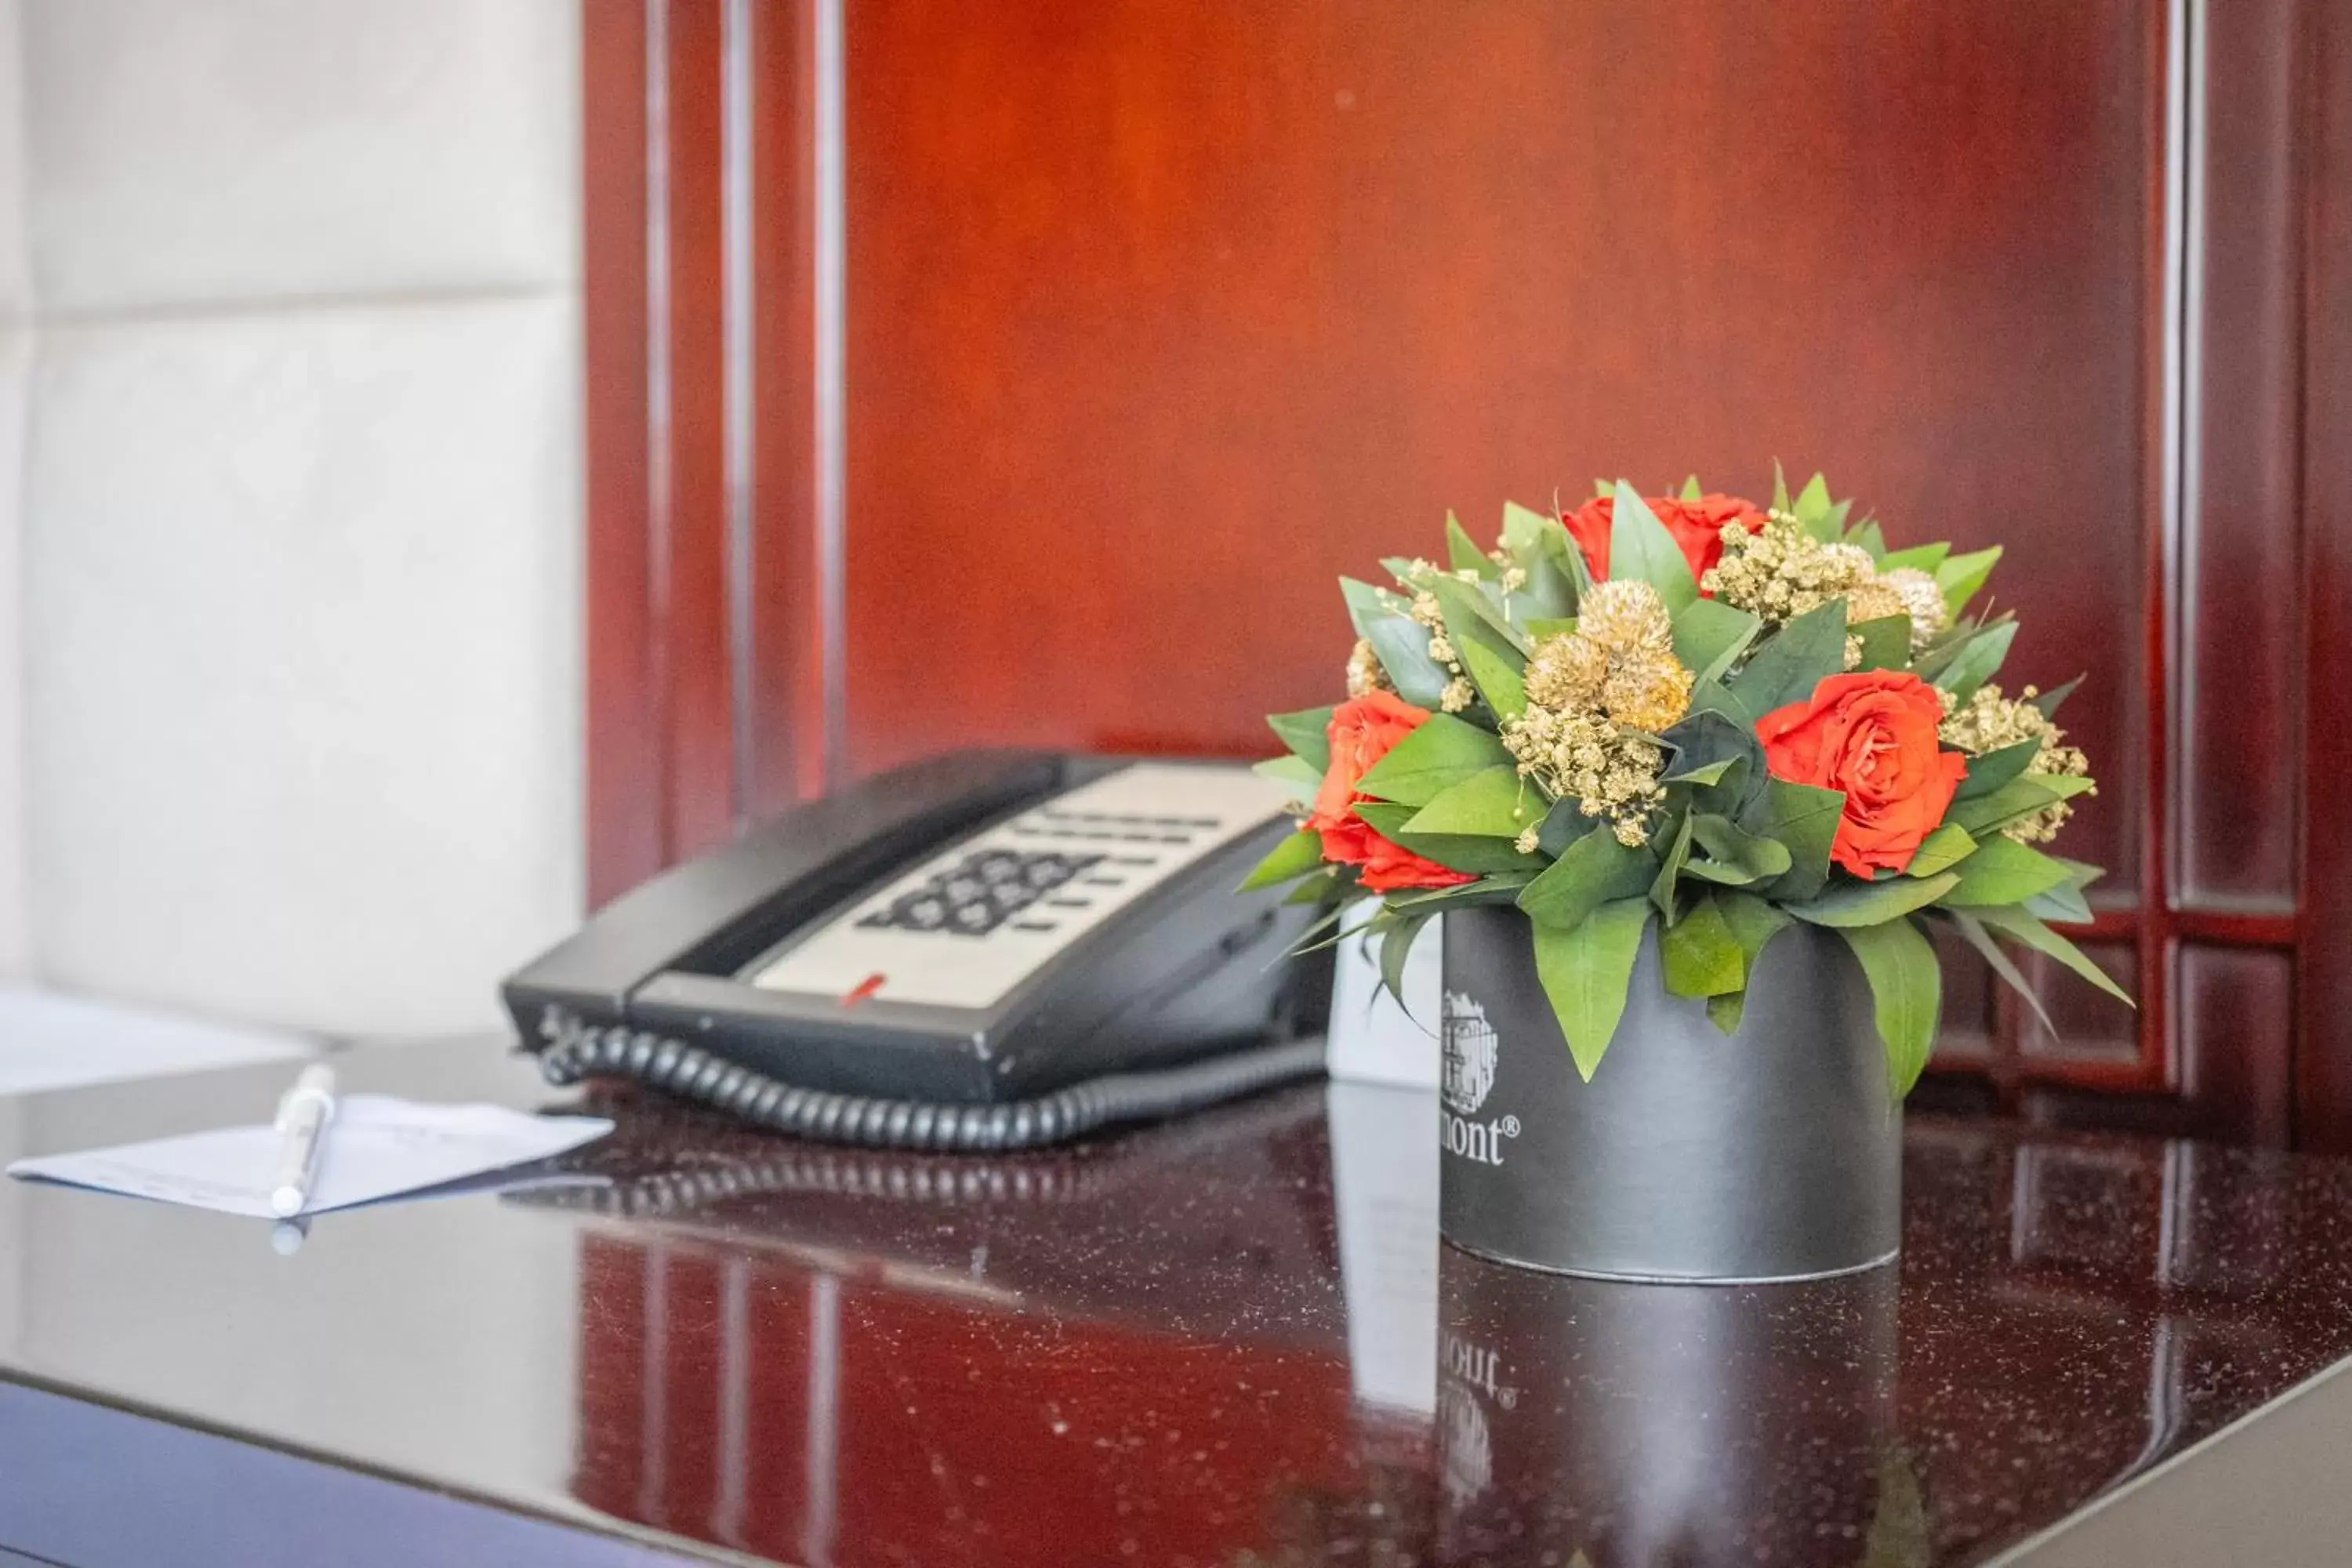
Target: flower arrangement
1698, 711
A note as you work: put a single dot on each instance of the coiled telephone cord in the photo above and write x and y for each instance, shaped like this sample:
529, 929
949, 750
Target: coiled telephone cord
577, 1050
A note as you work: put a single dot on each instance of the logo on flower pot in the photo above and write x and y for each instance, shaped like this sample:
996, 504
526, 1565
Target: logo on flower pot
1470, 1044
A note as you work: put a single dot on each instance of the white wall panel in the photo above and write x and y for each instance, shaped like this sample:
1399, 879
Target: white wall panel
16, 365
210, 151
303, 658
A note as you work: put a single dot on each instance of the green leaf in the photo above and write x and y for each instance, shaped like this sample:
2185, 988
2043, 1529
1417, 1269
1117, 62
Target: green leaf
1396, 946
2049, 700
1714, 697
1400, 642
1496, 676
1849, 905
1467, 852
1780, 487
1523, 530
1924, 557
1538, 628
1798, 658
1700, 955
1640, 548
1436, 755
2061, 905
1492, 803
1973, 930
1753, 924
1591, 871
1907, 985
1709, 635
1470, 609
1461, 552
1987, 771
1959, 576
1585, 972
1885, 642
1870, 537
1735, 856
1295, 771
1706, 737
1307, 733
1978, 662
1813, 510
2004, 871
1295, 857
1705, 774
1317, 889
1500, 888
2019, 797
1662, 890
1941, 850
1805, 819
1726, 1011
1489, 647
1752, 920
1305, 942
1563, 826
2021, 927
1691, 492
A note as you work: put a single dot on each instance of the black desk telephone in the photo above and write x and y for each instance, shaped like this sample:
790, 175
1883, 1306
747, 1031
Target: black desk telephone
991, 950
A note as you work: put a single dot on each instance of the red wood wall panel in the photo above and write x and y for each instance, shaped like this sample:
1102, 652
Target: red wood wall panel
1158, 316
1162, 320
2323, 972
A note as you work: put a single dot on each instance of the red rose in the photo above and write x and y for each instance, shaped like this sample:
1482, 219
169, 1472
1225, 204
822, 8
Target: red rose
1696, 526
1362, 730
1872, 734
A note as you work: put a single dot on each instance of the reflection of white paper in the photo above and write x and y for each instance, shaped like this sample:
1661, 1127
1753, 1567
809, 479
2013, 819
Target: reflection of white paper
1373, 1040
376, 1147
1384, 1186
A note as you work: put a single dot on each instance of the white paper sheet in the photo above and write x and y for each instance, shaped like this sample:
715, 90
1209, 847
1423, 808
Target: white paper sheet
377, 1147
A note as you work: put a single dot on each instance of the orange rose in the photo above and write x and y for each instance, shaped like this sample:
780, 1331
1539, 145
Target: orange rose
1696, 527
1362, 730
1872, 734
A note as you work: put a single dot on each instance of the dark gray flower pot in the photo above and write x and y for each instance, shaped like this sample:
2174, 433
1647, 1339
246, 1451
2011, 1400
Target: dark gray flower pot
1774, 1153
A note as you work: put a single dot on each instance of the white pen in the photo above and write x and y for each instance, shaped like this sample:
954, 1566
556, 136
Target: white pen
302, 1117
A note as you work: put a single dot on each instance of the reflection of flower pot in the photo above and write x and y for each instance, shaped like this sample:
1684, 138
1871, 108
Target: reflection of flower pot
1774, 1153
1665, 1424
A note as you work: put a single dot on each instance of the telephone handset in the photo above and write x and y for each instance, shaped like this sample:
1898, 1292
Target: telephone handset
989, 950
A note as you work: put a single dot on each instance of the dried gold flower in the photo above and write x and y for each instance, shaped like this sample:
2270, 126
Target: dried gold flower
1364, 670
1647, 689
1989, 721
1924, 600
1852, 659
1566, 671
1458, 695
1527, 843
1782, 571
1874, 599
1625, 614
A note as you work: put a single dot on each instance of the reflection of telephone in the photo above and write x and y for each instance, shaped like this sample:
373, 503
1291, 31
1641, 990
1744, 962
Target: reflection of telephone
987, 950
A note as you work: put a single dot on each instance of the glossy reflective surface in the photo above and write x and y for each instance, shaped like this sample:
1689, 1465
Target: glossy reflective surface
1231, 1340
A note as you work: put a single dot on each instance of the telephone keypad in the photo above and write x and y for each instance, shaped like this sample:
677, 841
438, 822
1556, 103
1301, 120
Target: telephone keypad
980, 893
965, 925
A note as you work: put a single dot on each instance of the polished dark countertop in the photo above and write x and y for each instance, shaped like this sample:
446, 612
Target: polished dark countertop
1231, 1340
